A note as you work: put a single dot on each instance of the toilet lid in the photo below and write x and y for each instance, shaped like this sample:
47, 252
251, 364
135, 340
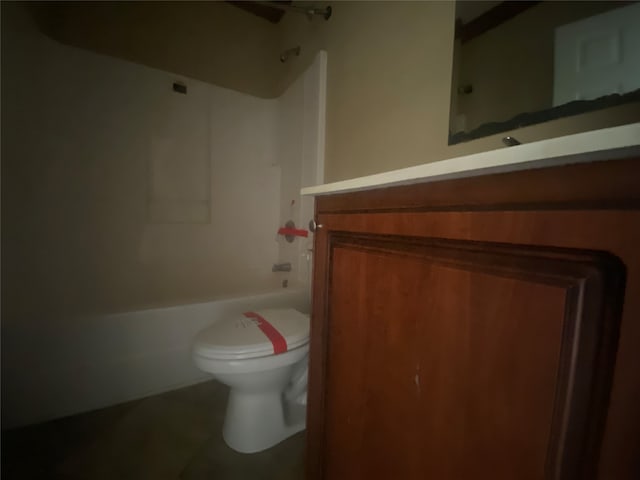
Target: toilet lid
254, 334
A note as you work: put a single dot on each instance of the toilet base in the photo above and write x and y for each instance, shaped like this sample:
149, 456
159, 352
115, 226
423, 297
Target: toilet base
257, 421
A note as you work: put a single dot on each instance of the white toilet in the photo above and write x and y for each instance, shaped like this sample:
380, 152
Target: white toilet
263, 357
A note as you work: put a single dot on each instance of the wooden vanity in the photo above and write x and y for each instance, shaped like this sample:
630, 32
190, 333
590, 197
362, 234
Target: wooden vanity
479, 328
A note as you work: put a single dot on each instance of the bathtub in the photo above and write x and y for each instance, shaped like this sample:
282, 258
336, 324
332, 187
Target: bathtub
104, 360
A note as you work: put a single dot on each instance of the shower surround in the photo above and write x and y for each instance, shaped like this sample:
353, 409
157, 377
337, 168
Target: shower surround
122, 196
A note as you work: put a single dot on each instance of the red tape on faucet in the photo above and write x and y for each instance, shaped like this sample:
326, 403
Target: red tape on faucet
275, 337
296, 232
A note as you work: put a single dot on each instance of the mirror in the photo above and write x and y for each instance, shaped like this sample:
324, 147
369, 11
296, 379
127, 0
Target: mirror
521, 63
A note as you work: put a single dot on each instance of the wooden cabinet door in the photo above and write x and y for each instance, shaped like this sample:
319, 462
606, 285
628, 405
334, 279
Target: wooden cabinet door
473, 343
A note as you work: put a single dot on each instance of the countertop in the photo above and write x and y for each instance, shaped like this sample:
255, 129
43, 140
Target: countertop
609, 143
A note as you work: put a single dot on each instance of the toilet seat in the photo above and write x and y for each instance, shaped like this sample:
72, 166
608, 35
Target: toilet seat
240, 337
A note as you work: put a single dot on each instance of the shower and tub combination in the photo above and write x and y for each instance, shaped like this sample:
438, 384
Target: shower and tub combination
102, 359
172, 231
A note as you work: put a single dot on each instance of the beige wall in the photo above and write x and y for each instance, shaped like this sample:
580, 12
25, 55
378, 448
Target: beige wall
389, 84
389, 75
389, 70
211, 41
389, 64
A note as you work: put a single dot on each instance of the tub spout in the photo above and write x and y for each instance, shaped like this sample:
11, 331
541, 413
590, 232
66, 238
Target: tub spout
281, 267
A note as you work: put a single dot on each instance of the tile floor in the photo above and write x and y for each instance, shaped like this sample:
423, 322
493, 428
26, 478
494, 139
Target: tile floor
174, 435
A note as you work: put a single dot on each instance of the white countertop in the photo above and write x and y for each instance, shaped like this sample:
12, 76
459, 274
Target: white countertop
605, 144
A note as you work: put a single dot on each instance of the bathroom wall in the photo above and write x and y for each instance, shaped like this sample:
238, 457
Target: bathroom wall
212, 41
389, 74
389, 84
388, 81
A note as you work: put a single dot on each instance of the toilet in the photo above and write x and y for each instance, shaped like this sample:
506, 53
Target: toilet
262, 356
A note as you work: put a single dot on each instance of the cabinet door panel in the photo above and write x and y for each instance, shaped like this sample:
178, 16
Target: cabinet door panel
461, 360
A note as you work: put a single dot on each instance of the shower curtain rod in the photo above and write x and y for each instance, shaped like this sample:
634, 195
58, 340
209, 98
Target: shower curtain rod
308, 11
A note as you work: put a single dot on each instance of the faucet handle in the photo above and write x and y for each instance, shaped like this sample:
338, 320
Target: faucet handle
313, 225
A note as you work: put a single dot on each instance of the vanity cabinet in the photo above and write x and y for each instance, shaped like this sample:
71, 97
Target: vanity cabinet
479, 328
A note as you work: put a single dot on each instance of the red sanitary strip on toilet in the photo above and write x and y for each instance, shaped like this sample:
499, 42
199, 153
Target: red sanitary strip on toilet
275, 337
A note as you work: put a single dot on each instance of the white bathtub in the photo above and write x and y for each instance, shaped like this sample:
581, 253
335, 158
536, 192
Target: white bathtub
109, 359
